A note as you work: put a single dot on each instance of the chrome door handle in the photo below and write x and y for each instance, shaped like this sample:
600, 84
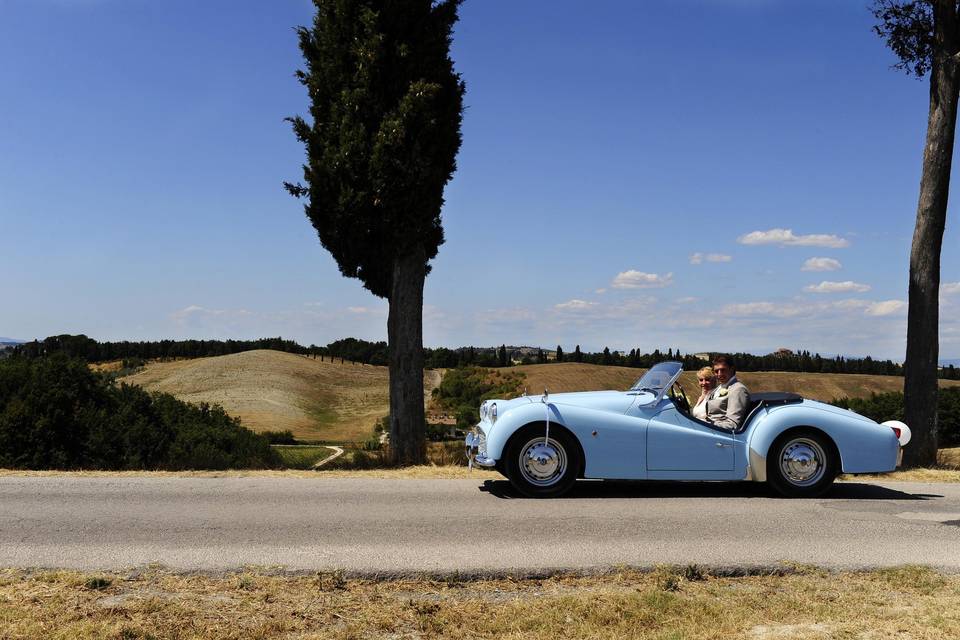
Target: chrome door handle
724, 444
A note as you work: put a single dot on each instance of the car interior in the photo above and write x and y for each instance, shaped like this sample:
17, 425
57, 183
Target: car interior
757, 402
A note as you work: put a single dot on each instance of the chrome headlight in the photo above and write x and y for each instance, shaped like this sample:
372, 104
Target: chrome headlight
493, 412
483, 410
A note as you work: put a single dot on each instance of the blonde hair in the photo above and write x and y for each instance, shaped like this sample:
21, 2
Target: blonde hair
707, 372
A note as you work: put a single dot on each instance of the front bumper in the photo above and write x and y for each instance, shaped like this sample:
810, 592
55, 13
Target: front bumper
476, 451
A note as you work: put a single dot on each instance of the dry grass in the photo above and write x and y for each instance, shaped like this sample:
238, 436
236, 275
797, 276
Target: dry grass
276, 391
106, 367
949, 458
561, 377
571, 376
909, 475
687, 603
947, 470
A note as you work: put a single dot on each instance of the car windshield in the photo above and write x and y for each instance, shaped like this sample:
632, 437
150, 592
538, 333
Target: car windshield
657, 377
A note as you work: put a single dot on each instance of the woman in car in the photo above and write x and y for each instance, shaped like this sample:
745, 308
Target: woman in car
707, 381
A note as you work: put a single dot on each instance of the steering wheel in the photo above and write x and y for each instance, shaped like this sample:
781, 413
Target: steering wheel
680, 398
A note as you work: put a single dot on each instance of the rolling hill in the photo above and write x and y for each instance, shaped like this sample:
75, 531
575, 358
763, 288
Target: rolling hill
276, 391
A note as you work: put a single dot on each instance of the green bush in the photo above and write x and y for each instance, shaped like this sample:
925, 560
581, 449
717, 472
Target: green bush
57, 414
279, 437
889, 406
437, 432
463, 389
371, 444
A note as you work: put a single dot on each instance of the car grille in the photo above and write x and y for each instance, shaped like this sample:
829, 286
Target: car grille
482, 446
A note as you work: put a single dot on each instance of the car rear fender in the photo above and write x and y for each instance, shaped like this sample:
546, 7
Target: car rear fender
863, 445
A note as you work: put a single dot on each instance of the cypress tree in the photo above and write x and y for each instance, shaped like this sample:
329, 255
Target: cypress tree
384, 132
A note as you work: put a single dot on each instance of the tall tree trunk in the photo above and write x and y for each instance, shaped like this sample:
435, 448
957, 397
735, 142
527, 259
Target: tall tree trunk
405, 335
920, 381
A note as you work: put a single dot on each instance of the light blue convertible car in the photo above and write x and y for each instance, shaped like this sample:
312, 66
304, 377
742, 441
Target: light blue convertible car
544, 443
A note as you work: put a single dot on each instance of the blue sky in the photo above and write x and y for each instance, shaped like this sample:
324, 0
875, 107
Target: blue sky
699, 174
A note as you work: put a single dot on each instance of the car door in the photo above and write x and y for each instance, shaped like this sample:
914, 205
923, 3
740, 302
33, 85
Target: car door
614, 445
678, 445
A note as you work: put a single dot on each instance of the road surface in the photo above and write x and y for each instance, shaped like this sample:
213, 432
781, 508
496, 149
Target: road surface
365, 526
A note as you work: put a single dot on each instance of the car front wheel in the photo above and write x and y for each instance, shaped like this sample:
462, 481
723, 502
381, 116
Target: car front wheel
802, 464
539, 467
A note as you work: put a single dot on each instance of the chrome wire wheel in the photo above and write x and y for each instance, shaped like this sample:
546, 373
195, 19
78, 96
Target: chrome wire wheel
542, 462
802, 462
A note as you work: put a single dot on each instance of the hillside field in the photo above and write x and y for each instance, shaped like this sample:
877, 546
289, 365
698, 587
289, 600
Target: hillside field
277, 391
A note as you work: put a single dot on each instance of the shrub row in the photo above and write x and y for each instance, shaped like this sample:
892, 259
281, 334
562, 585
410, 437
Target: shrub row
55, 413
889, 406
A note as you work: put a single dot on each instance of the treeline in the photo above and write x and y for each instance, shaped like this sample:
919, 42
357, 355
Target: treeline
889, 406
783, 360
80, 346
506, 356
55, 413
377, 353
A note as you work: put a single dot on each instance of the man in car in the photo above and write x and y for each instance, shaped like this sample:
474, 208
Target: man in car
727, 404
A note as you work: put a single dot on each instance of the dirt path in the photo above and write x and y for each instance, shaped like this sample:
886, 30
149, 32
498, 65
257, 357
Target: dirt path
337, 452
431, 380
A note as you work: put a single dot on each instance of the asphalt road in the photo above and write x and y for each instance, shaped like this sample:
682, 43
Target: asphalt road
403, 526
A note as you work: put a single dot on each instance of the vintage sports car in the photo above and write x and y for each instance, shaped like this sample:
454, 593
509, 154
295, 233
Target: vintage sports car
544, 443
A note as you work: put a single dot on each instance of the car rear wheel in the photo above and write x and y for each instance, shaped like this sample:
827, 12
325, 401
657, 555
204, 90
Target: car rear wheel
802, 464
542, 468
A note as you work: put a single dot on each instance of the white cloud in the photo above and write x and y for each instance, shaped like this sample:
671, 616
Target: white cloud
949, 288
885, 308
821, 264
793, 309
847, 286
698, 258
575, 305
782, 310
639, 280
367, 310
196, 311
787, 238
686, 300
601, 291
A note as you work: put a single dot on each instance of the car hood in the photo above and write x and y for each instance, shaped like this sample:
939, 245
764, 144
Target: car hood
616, 401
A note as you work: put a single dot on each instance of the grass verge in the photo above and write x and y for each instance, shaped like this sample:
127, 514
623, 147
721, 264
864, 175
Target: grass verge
681, 602
947, 470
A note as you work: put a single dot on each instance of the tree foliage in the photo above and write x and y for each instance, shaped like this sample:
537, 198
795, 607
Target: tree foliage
80, 346
889, 406
462, 390
907, 28
55, 413
385, 109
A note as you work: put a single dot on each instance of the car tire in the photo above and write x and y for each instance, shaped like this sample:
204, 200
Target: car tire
542, 469
802, 463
